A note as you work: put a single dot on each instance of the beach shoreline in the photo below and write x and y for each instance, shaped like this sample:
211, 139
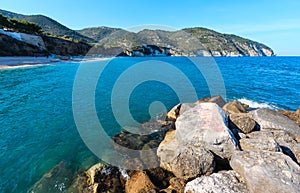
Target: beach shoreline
24, 61
7, 62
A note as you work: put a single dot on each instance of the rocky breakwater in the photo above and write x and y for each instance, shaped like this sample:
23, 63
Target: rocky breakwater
209, 146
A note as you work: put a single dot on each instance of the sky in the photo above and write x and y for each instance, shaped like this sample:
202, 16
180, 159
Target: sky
274, 23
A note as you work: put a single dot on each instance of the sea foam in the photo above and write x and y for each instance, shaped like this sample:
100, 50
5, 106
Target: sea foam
254, 104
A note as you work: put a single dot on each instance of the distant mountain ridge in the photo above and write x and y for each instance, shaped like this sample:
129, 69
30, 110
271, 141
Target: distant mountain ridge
189, 41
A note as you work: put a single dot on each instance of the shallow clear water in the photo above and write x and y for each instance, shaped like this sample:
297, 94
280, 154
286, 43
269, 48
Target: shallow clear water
37, 129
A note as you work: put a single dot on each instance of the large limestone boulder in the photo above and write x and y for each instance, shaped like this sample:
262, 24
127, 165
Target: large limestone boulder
184, 160
260, 143
139, 182
224, 181
269, 139
266, 171
267, 118
206, 124
234, 107
179, 109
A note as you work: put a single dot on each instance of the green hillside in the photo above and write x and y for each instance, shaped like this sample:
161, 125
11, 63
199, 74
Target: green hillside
188, 41
48, 25
98, 33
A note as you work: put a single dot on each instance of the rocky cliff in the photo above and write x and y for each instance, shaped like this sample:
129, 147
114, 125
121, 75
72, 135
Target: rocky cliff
187, 42
12, 47
65, 47
32, 45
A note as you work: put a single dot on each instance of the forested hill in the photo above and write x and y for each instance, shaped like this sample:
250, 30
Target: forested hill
112, 41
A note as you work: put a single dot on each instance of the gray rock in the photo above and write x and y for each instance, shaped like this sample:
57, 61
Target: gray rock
260, 143
242, 122
185, 107
234, 107
185, 161
216, 99
224, 181
286, 142
266, 171
179, 109
278, 135
267, 118
206, 124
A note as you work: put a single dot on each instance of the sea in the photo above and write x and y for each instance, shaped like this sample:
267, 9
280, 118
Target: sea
38, 130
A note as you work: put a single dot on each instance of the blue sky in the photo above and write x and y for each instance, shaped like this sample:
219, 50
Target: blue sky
274, 23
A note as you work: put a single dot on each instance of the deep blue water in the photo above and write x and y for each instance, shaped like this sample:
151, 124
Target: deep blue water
37, 129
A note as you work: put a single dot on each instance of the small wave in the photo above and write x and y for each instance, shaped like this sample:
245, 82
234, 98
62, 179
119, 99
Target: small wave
254, 104
2, 67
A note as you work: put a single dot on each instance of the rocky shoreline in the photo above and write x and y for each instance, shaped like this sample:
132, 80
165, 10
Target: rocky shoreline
208, 146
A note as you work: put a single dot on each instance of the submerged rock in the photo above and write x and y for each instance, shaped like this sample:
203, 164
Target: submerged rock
58, 179
137, 141
224, 181
104, 178
266, 171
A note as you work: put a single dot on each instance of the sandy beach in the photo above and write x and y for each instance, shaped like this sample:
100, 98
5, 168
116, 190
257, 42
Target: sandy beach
23, 61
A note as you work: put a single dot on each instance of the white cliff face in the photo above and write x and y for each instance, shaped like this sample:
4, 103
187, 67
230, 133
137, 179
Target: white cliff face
33, 40
27, 38
267, 52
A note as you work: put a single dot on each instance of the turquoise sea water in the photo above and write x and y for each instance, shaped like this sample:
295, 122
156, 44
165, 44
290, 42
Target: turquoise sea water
37, 129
